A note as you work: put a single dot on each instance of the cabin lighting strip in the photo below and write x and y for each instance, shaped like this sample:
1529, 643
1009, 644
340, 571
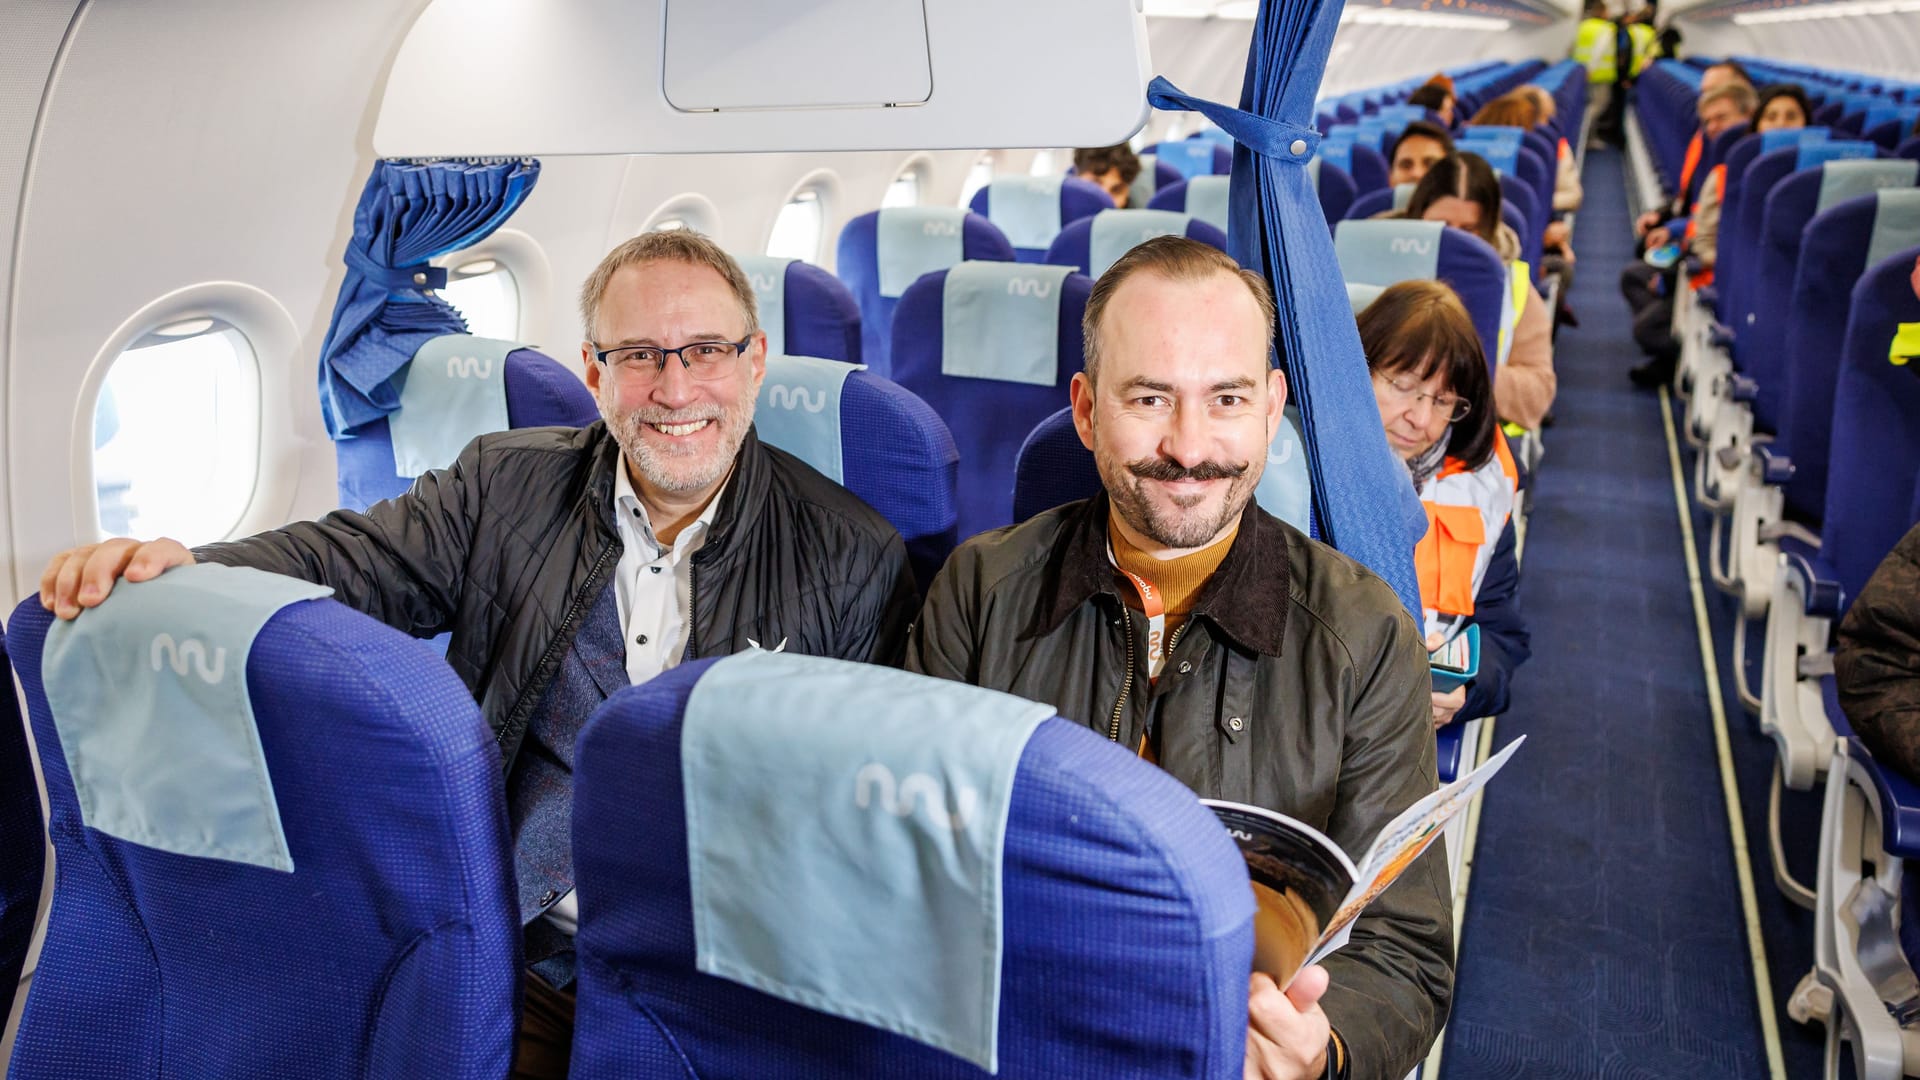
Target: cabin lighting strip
1841, 9
1366, 16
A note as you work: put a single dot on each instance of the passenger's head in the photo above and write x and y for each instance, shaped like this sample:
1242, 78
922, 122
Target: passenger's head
1436, 98
1724, 107
1179, 398
1429, 371
1722, 74
1596, 9
1463, 191
1112, 167
1543, 102
1782, 105
1511, 110
680, 419
1417, 147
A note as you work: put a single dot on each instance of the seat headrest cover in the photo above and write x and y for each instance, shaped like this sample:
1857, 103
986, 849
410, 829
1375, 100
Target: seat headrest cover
1843, 180
1388, 251
456, 389
1313, 172
846, 826
1896, 223
1002, 321
1359, 295
768, 276
1116, 232
1337, 152
149, 695
799, 410
1140, 192
915, 240
1781, 138
1192, 157
1819, 153
1286, 489
1501, 154
1403, 195
1208, 199
1026, 208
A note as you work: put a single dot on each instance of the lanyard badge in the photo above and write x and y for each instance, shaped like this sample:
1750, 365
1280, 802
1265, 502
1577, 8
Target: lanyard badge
1154, 605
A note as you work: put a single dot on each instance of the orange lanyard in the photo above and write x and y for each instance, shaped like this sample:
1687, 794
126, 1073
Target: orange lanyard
1154, 606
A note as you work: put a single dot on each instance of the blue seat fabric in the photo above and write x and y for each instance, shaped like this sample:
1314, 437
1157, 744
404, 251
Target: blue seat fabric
822, 317
1078, 199
23, 855
900, 458
1073, 246
859, 268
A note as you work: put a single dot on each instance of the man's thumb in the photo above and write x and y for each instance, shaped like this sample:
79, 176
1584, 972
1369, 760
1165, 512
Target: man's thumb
1305, 989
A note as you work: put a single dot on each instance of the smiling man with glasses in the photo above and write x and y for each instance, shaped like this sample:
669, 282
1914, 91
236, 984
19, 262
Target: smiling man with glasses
568, 563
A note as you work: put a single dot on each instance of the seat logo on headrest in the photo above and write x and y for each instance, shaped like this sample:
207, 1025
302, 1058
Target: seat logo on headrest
875, 782
1285, 455
939, 228
763, 283
469, 367
1029, 287
782, 396
1412, 245
191, 651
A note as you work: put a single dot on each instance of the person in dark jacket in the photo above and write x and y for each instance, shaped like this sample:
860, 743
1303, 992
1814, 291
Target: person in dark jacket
1173, 615
1877, 666
569, 563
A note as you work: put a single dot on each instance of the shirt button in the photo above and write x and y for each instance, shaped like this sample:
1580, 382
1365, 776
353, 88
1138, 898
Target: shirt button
1234, 724
655, 569
549, 897
641, 640
1185, 667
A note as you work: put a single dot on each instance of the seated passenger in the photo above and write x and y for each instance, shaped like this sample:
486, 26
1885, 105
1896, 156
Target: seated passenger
1568, 194
1712, 78
1415, 149
1114, 168
568, 563
1877, 665
1463, 192
1430, 381
1649, 289
1436, 97
1173, 615
1518, 109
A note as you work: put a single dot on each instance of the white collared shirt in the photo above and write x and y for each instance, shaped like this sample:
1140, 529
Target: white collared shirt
654, 589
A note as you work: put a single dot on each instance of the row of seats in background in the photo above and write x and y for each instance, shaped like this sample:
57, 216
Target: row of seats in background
1805, 418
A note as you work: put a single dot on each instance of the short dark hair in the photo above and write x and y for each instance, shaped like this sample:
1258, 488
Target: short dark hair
1420, 129
1783, 90
1430, 96
1421, 327
1464, 175
1102, 159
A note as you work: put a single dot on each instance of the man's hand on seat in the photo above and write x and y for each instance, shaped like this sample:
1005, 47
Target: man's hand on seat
1645, 222
1286, 1031
82, 577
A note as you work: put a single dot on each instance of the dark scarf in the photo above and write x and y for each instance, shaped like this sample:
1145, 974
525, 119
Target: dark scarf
1427, 462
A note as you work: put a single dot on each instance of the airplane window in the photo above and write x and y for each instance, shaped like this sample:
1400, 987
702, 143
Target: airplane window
796, 231
485, 292
176, 434
1042, 164
904, 191
977, 177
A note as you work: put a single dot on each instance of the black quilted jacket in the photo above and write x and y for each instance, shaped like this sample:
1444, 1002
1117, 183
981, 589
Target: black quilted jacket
509, 546
1877, 666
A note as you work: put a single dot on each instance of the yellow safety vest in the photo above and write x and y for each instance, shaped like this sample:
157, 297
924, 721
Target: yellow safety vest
1593, 50
1646, 46
1519, 283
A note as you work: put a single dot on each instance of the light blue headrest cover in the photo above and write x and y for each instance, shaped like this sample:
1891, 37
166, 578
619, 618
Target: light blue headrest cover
1026, 208
846, 825
456, 389
1208, 198
1359, 295
1338, 152
1880, 114
1781, 138
1402, 195
1819, 153
1371, 130
1495, 131
1313, 172
1285, 489
1843, 180
1001, 320
1193, 157
1140, 192
1388, 251
1502, 155
913, 240
799, 410
149, 696
768, 276
1896, 223
1116, 232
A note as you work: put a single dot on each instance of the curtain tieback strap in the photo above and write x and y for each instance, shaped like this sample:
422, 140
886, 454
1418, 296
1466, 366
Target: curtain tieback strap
396, 278
1274, 139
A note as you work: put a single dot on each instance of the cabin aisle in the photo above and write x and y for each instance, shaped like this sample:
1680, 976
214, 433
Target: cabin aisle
1604, 930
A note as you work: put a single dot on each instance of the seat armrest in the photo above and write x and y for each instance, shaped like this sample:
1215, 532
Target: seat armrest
1776, 468
1450, 742
1899, 803
1743, 389
1710, 296
1822, 597
1720, 335
1694, 266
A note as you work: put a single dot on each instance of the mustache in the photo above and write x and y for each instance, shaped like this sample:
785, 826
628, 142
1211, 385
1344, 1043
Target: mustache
1166, 469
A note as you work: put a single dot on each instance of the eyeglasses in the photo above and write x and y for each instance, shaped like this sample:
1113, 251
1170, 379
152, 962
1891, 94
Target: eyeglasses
1454, 406
705, 361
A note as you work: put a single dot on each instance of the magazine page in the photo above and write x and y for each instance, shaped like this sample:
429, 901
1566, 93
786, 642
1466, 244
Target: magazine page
1402, 841
1300, 879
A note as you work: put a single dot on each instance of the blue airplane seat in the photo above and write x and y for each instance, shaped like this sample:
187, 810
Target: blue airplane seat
23, 856
1194, 156
1114, 876
1336, 190
1090, 245
540, 391
1031, 211
392, 945
1205, 198
1739, 156
877, 288
804, 310
876, 439
1375, 203
1390, 251
1369, 169
1019, 347
1909, 148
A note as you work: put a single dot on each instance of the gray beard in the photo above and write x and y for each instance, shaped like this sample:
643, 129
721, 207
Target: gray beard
679, 473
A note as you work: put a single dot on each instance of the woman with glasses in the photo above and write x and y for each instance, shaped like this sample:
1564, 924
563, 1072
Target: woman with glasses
1436, 404
1463, 191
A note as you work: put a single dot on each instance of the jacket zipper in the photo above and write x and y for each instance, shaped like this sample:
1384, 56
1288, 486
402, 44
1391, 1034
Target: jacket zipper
1126, 686
518, 720
693, 632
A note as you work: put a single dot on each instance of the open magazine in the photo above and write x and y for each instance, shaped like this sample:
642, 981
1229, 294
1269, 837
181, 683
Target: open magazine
1307, 892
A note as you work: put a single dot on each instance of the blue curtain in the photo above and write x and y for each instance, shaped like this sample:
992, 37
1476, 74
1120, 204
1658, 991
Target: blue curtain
1363, 498
409, 213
